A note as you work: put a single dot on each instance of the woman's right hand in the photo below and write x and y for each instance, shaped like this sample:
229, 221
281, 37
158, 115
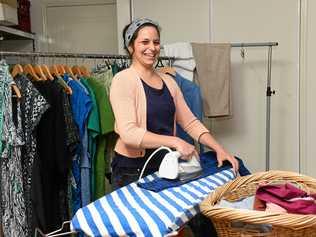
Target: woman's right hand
186, 149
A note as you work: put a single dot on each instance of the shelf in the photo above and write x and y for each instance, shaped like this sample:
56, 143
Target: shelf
9, 33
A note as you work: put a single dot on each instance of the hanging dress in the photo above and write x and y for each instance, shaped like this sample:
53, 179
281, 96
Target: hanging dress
33, 106
13, 213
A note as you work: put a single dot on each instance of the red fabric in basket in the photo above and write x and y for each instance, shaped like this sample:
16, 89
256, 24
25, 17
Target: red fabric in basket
281, 195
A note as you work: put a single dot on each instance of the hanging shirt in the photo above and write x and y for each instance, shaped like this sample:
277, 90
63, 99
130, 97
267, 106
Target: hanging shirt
93, 118
12, 209
81, 106
106, 119
93, 131
51, 169
192, 96
33, 106
80, 103
105, 78
71, 129
5, 92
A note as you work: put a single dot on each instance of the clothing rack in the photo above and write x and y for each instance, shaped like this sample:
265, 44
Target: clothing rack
71, 55
269, 91
264, 44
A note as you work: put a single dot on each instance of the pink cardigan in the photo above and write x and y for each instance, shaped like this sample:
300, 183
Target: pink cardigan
128, 100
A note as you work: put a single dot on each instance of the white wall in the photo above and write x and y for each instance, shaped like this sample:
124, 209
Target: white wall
243, 21
246, 21
180, 20
308, 88
261, 21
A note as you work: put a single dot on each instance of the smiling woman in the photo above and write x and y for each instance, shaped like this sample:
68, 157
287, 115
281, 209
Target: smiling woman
146, 105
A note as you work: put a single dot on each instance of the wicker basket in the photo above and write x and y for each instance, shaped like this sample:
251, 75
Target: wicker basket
282, 224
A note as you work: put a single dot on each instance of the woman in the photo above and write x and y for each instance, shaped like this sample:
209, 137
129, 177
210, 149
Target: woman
146, 105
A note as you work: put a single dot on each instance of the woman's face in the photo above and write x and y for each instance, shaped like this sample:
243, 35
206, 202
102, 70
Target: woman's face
146, 47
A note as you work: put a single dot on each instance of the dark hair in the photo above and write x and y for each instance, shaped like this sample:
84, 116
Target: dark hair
136, 34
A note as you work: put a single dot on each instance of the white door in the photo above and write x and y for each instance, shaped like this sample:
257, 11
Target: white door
84, 28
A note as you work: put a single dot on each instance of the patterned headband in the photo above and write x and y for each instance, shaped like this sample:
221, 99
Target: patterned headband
134, 26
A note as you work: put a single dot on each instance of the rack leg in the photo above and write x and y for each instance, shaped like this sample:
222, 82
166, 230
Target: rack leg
268, 111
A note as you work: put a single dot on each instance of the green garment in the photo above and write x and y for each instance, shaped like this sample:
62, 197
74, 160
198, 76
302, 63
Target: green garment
93, 131
61, 82
106, 118
115, 69
93, 119
105, 78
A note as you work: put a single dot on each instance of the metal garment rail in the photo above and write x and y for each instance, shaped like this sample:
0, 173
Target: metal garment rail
269, 91
72, 55
254, 44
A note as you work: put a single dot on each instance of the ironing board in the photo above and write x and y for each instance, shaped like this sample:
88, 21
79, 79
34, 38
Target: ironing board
133, 211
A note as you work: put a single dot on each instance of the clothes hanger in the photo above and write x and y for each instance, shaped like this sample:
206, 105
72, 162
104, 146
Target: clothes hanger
76, 70
54, 70
65, 86
47, 72
69, 71
168, 70
16, 91
61, 69
159, 63
85, 71
107, 63
17, 69
40, 72
28, 69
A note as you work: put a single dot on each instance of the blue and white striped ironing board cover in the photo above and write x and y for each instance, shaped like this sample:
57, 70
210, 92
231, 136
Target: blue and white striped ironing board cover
133, 211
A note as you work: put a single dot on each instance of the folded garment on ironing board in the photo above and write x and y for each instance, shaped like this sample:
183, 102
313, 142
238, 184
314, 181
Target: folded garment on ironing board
209, 164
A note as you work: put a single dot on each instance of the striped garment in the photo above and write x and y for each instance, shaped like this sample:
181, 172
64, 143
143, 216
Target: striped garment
133, 211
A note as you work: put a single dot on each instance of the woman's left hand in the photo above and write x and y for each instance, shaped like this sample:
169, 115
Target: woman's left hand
222, 155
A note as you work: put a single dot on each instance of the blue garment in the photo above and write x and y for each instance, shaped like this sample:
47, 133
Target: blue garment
83, 86
75, 180
85, 171
208, 162
93, 131
80, 103
192, 96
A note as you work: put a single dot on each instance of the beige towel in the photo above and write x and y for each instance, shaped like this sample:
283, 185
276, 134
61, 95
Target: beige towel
213, 76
